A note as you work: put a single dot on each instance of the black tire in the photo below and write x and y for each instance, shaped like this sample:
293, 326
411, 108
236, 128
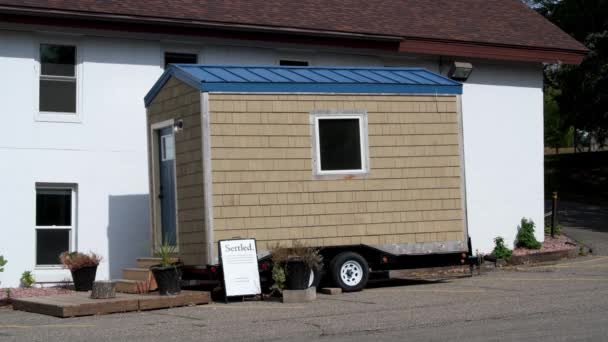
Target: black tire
357, 264
316, 275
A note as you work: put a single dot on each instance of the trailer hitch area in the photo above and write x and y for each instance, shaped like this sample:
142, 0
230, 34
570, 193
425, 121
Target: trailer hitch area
475, 261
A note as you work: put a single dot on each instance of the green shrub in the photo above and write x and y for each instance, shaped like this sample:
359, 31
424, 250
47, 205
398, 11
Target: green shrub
165, 252
558, 230
525, 235
27, 279
279, 277
2, 263
500, 250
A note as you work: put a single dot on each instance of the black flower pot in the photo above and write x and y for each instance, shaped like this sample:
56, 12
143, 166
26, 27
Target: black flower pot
298, 275
168, 279
84, 278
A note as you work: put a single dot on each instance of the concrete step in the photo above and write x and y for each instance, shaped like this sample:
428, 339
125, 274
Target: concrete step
140, 274
131, 286
150, 261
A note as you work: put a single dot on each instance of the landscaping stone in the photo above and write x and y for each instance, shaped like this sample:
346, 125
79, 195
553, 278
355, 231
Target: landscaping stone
543, 257
29, 292
300, 296
103, 290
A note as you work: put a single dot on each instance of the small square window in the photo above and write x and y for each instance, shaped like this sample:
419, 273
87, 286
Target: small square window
57, 91
340, 143
180, 58
287, 62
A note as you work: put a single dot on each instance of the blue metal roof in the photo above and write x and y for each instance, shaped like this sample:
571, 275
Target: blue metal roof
291, 79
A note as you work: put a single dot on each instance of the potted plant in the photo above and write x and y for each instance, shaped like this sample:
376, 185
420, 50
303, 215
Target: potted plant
83, 268
297, 266
168, 274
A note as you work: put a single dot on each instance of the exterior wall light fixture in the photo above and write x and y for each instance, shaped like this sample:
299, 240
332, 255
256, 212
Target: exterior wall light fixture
460, 71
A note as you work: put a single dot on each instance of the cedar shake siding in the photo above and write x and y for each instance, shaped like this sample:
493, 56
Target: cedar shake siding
179, 101
264, 186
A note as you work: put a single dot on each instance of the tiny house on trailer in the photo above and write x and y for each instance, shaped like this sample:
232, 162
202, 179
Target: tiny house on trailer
364, 163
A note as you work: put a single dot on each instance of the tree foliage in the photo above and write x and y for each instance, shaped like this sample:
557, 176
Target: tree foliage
579, 91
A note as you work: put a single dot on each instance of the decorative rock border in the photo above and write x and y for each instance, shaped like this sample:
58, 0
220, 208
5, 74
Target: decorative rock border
543, 257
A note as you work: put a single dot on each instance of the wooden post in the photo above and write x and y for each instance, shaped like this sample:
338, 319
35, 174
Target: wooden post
553, 214
103, 290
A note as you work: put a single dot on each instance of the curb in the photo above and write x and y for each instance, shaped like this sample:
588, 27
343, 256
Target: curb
543, 257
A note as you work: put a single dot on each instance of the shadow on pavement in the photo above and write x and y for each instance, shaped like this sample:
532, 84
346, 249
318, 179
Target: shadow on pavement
583, 216
394, 282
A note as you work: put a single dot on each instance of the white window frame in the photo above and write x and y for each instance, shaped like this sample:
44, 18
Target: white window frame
71, 228
43, 116
361, 116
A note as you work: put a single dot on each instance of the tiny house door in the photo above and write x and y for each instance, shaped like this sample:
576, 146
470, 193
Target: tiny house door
166, 186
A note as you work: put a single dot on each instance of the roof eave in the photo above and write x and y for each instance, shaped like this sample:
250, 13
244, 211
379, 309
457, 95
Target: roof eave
191, 23
492, 51
398, 44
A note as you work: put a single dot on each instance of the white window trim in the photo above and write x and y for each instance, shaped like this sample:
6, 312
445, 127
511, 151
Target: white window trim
72, 228
360, 115
42, 116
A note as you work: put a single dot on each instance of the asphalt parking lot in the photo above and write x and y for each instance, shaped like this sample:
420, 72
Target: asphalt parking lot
562, 302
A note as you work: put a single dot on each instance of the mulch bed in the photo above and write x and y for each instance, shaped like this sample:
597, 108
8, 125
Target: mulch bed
559, 243
553, 249
30, 292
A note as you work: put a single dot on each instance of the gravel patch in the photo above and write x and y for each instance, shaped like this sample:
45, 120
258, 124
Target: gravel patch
559, 243
29, 292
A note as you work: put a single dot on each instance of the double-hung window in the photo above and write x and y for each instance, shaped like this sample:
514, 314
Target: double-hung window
340, 143
55, 206
58, 88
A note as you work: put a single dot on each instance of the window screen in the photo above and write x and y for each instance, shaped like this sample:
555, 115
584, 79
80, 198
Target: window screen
57, 78
339, 144
49, 244
180, 58
286, 62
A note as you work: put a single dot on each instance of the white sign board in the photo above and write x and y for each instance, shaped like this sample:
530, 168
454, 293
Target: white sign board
239, 260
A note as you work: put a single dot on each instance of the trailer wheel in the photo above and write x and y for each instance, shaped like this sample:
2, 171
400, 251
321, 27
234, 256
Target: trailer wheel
349, 271
315, 278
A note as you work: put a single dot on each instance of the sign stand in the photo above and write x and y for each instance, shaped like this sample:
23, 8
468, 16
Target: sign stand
239, 261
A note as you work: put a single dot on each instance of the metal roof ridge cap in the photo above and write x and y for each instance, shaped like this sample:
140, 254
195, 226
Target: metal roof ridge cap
254, 66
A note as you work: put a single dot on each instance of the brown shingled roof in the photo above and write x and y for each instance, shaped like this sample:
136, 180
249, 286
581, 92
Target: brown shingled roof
504, 23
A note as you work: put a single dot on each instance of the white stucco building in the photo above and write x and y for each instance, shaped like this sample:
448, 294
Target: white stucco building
73, 149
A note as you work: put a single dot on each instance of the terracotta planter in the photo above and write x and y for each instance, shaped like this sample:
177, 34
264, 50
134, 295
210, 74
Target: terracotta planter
84, 277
